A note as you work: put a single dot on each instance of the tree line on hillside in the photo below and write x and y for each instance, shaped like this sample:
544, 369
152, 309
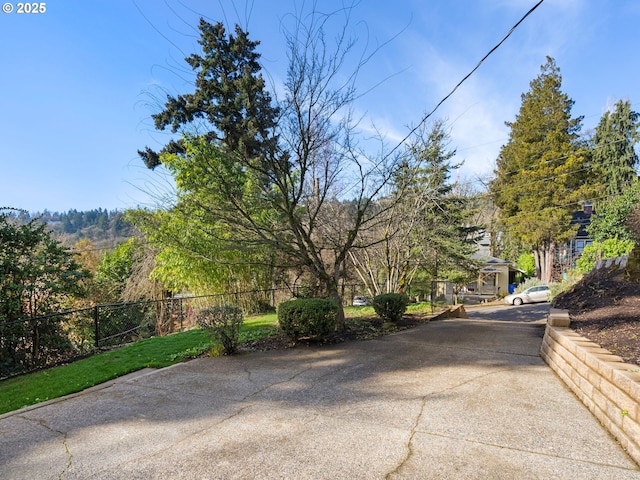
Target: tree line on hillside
96, 224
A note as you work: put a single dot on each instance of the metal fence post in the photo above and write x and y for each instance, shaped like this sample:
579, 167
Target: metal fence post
96, 327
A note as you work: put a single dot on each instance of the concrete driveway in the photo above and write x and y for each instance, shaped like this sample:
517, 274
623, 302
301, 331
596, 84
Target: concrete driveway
453, 399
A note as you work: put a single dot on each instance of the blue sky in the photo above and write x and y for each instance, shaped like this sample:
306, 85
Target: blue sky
78, 83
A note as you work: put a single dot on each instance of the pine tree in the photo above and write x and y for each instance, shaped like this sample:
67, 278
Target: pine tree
542, 171
442, 232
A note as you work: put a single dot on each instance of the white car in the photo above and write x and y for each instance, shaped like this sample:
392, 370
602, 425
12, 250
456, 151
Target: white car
539, 293
360, 301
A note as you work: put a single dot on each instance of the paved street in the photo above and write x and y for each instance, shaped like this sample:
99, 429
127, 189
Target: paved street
531, 313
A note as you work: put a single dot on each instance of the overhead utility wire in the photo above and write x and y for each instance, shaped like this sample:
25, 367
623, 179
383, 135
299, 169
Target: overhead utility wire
424, 119
563, 157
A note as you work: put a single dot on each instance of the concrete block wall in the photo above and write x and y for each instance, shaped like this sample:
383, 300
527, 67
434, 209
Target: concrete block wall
456, 311
607, 386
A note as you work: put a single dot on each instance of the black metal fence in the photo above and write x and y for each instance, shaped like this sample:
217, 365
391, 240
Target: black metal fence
34, 343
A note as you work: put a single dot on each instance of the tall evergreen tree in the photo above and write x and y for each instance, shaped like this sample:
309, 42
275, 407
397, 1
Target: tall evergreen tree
441, 231
613, 147
230, 111
230, 100
542, 171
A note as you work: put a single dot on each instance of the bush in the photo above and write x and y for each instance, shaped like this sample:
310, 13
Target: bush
223, 324
307, 317
526, 263
529, 282
610, 248
390, 306
569, 279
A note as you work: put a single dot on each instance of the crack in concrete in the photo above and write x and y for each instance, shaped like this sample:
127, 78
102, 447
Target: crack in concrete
41, 422
188, 436
425, 398
249, 375
414, 428
483, 350
242, 399
270, 385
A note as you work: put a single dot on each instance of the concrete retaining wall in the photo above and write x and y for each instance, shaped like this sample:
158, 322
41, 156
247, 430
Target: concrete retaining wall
608, 387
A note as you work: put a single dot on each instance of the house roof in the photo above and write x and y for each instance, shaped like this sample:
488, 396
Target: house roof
491, 262
582, 219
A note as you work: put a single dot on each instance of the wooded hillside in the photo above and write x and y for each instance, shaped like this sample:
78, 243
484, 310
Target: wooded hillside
104, 228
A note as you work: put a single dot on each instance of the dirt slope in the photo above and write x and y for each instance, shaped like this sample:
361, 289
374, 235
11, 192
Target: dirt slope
605, 308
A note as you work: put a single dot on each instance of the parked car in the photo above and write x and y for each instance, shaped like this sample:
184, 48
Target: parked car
539, 293
360, 301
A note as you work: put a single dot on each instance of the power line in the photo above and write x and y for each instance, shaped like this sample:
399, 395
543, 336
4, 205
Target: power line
551, 161
426, 117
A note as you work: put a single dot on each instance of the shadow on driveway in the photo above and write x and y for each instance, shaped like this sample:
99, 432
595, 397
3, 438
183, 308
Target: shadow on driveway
449, 399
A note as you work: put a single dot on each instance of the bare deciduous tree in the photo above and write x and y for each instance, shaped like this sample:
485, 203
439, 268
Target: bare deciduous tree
300, 199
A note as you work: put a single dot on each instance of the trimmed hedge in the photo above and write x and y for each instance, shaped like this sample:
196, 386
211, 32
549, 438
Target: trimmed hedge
307, 317
390, 306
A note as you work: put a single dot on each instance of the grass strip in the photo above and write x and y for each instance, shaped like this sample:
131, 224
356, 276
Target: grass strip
156, 352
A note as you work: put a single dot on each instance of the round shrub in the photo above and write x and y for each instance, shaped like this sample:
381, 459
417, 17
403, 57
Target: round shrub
307, 317
390, 306
223, 323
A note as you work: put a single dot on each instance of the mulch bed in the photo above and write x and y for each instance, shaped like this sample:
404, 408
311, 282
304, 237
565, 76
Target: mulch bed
357, 329
605, 308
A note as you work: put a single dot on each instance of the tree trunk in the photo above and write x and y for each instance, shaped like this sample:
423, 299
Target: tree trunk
549, 267
335, 295
543, 258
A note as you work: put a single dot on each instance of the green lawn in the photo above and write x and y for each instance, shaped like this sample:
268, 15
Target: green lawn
154, 352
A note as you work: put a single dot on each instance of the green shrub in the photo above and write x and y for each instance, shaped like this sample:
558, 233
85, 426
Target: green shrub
307, 317
610, 248
223, 323
526, 263
390, 306
569, 279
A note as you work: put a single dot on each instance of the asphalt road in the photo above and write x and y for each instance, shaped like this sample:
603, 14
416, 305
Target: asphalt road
531, 313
